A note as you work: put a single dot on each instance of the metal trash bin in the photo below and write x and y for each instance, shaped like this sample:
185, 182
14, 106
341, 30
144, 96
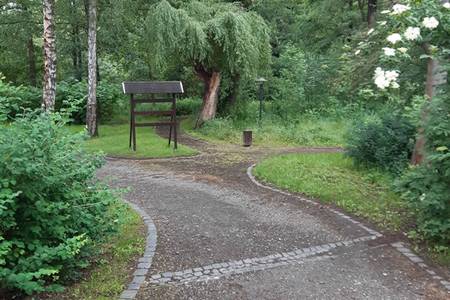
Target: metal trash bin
247, 138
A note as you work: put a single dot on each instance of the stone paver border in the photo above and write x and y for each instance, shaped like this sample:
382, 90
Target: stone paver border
399, 246
145, 262
234, 267
403, 249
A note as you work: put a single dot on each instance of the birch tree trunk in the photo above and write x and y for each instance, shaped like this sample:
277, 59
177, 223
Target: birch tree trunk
49, 87
91, 114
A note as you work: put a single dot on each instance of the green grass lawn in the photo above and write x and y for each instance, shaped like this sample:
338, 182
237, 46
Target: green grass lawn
304, 132
109, 277
113, 140
332, 178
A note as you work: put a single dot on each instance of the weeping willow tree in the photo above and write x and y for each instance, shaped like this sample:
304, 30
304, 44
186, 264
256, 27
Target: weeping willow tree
212, 38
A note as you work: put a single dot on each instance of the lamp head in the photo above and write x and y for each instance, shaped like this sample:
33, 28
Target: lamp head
260, 80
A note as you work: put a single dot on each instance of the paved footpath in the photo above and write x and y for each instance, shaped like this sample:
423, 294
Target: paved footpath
221, 236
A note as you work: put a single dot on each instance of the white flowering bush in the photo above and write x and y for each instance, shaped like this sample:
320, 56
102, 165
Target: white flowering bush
407, 34
423, 25
411, 33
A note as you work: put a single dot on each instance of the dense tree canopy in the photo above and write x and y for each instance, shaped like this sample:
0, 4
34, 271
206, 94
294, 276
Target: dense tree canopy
213, 38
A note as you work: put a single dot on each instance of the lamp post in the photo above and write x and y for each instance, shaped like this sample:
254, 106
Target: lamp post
260, 81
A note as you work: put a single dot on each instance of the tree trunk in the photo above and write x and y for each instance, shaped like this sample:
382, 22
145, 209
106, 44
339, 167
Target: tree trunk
49, 89
31, 62
419, 147
234, 93
210, 95
97, 70
362, 11
91, 114
76, 53
371, 13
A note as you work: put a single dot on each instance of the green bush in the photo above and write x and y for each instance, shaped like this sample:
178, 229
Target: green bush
110, 99
188, 106
13, 99
52, 210
385, 142
301, 83
427, 186
73, 94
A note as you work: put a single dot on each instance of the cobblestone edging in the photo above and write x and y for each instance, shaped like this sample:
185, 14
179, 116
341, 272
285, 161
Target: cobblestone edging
218, 270
399, 246
338, 213
145, 262
403, 249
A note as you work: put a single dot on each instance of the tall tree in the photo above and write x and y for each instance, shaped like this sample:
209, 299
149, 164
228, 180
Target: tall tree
49, 89
31, 62
212, 38
371, 12
91, 114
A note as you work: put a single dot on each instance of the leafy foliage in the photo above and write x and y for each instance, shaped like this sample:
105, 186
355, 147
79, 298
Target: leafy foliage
217, 36
384, 142
300, 85
110, 99
13, 99
70, 94
427, 187
51, 208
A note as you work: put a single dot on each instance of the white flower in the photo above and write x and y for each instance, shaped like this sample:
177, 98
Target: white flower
398, 9
384, 79
446, 5
430, 22
412, 33
382, 23
386, 11
389, 51
394, 38
370, 31
403, 49
381, 82
357, 52
380, 79
379, 72
391, 75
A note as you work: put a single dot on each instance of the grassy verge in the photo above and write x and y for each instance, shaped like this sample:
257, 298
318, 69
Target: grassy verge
303, 132
112, 273
113, 140
333, 179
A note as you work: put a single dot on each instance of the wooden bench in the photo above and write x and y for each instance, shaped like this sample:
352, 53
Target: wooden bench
153, 92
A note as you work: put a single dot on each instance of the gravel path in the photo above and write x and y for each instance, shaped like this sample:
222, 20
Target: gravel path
221, 236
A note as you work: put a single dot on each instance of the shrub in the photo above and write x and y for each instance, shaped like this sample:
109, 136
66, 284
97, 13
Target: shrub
427, 187
385, 142
301, 83
13, 99
73, 94
188, 106
110, 99
51, 209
